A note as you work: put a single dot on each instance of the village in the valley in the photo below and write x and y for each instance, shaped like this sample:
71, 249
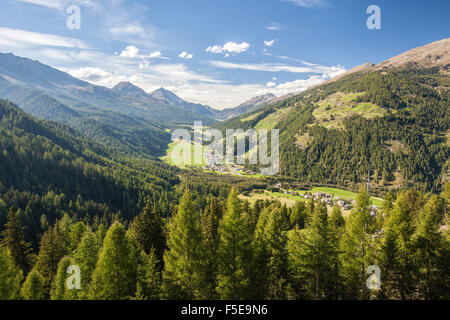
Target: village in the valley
328, 199
217, 163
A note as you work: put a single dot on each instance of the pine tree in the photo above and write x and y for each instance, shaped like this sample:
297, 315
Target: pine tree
75, 234
34, 287
210, 220
336, 226
59, 286
184, 270
52, 249
358, 248
148, 231
112, 277
398, 252
14, 239
100, 234
310, 255
148, 277
298, 215
430, 247
259, 281
10, 276
85, 256
275, 238
234, 252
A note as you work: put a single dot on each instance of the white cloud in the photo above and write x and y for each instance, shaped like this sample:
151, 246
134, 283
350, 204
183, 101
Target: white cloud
130, 52
229, 47
185, 55
90, 73
273, 26
309, 3
54, 4
214, 49
271, 84
268, 67
269, 43
16, 38
156, 54
233, 47
60, 4
297, 86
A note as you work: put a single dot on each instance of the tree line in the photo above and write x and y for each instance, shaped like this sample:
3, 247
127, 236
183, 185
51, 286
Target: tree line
229, 249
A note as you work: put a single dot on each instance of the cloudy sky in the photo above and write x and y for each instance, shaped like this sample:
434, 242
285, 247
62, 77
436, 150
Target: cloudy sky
216, 52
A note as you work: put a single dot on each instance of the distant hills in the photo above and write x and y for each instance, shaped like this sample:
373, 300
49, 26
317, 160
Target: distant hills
125, 117
249, 106
168, 97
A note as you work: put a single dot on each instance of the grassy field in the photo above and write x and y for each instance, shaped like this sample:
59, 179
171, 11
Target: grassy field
173, 158
253, 197
335, 108
344, 194
272, 119
290, 200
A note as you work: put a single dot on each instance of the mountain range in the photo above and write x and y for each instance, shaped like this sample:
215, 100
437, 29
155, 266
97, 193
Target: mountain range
391, 120
125, 117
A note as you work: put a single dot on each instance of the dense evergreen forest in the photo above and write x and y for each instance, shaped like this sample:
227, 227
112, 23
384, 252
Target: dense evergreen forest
226, 249
414, 116
47, 170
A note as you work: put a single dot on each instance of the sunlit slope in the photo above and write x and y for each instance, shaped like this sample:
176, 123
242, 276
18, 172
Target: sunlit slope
388, 124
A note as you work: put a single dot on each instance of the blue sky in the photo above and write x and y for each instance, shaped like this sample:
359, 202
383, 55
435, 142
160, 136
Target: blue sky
215, 52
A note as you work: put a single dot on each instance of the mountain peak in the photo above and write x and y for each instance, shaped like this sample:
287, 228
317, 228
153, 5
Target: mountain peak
127, 88
167, 96
259, 100
125, 85
435, 54
164, 92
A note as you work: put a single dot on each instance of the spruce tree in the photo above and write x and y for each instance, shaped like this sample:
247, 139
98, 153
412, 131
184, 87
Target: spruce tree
358, 248
184, 267
336, 226
398, 252
234, 252
259, 281
59, 286
34, 287
148, 231
76, 232
210, 220
148, 285
298, 215
85, 256
14, 238
113, 276
275, 238
430, 247
310, 256
52, 249
10, 276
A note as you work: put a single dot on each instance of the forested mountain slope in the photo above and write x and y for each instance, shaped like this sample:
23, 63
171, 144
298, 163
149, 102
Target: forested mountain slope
133, 124
47, 169
392, 121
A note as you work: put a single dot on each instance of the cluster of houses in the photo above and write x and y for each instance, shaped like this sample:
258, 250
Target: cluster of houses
217, 163
329, 199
